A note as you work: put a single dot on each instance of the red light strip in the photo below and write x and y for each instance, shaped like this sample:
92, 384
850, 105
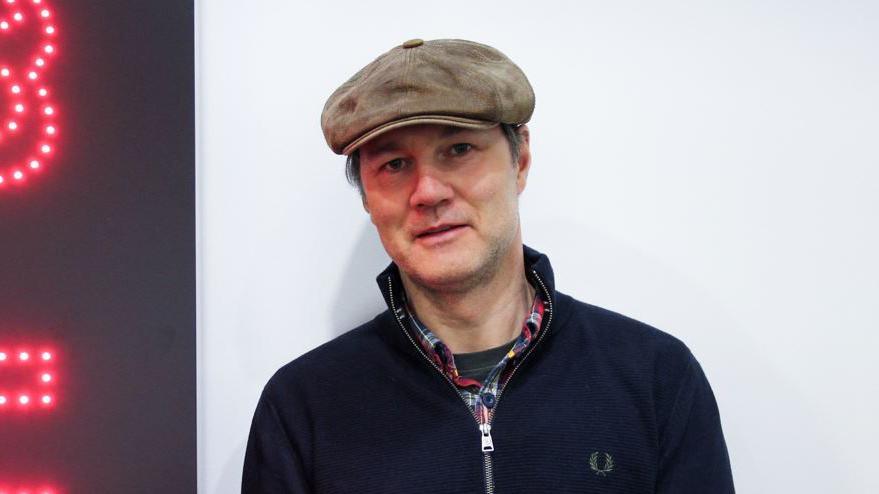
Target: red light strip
27, 490
27, 375
36, 368
24, 90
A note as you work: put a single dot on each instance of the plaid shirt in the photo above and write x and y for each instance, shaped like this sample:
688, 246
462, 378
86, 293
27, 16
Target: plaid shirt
480, 396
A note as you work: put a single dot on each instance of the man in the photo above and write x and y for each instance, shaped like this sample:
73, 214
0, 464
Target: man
480, 376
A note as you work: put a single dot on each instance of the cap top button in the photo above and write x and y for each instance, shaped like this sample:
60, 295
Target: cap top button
412, 43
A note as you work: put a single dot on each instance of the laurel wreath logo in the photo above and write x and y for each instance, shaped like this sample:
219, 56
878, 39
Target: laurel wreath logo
602, 470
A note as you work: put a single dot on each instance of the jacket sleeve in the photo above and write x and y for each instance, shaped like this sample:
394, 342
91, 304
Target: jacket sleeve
273, 464
693, 454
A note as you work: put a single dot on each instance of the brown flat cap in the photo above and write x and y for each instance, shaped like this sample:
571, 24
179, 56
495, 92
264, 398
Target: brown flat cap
444, 81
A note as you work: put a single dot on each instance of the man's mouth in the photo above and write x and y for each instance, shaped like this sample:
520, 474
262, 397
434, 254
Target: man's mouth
435, 230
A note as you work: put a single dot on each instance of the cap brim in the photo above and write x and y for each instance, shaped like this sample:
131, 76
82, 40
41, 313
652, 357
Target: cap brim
467, 123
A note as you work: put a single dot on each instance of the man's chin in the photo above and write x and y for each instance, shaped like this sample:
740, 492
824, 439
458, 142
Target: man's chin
435, 271
448, 273
443, 282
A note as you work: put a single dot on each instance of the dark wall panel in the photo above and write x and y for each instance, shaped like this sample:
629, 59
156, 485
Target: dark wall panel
97, 258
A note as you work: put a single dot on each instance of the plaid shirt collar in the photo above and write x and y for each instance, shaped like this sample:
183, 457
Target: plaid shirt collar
480, 396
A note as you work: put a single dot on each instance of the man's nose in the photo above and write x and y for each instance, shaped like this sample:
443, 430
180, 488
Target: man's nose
431, 188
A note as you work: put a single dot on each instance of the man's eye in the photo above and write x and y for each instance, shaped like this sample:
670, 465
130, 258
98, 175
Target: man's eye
394, 165
460, 148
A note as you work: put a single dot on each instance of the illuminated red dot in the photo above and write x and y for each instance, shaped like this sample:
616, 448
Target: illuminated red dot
46, 356
50, 129
34, 164
44, 13
46, 377
18, 17
1, 179
4, 25
24, 399
43, 91
45, 148
50, 29
39, 62
4, 72
49, 49
2, 356
32, 75
23, 356
2, 400
15, 89
48, 110
12, 125
17, 175
46, 399
19, 107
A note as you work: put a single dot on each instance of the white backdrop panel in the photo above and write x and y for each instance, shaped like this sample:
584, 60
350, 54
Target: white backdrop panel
709, 168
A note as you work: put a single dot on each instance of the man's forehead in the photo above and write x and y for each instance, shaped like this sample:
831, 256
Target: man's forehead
393, 140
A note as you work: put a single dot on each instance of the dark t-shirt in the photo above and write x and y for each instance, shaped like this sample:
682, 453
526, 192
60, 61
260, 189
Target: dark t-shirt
477, 365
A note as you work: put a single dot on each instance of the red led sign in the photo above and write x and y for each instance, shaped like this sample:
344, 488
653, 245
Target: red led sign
28, 382
27, 379
27, 490
28, 127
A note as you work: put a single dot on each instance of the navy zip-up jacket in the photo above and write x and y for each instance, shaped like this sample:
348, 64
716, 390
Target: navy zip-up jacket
599, 404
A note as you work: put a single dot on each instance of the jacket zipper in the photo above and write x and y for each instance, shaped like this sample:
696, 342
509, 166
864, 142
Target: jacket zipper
484, 429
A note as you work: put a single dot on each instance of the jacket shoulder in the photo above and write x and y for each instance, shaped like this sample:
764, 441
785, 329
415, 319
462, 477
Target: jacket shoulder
617, 333
348, 354
634, 353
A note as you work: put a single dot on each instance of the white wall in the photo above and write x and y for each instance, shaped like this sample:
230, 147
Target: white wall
707, 167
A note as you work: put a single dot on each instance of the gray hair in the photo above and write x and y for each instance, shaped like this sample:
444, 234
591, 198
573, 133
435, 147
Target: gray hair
352, 163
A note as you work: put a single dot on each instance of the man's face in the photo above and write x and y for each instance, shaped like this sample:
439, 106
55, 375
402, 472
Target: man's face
445, 201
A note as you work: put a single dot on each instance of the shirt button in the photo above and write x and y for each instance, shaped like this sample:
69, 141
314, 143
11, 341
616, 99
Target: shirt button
488, 400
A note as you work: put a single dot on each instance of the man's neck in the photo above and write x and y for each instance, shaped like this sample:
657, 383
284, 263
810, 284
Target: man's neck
485, 316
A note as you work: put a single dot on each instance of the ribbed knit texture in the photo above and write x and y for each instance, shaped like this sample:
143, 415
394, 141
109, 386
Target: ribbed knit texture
366, 413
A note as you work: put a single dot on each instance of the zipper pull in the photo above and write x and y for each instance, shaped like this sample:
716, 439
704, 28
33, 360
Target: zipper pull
485, 432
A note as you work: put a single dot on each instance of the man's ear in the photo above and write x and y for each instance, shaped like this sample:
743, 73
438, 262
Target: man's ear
523, 165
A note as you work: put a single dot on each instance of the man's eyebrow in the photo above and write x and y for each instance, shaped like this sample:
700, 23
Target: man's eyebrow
382, 147
452, 130
391, 146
